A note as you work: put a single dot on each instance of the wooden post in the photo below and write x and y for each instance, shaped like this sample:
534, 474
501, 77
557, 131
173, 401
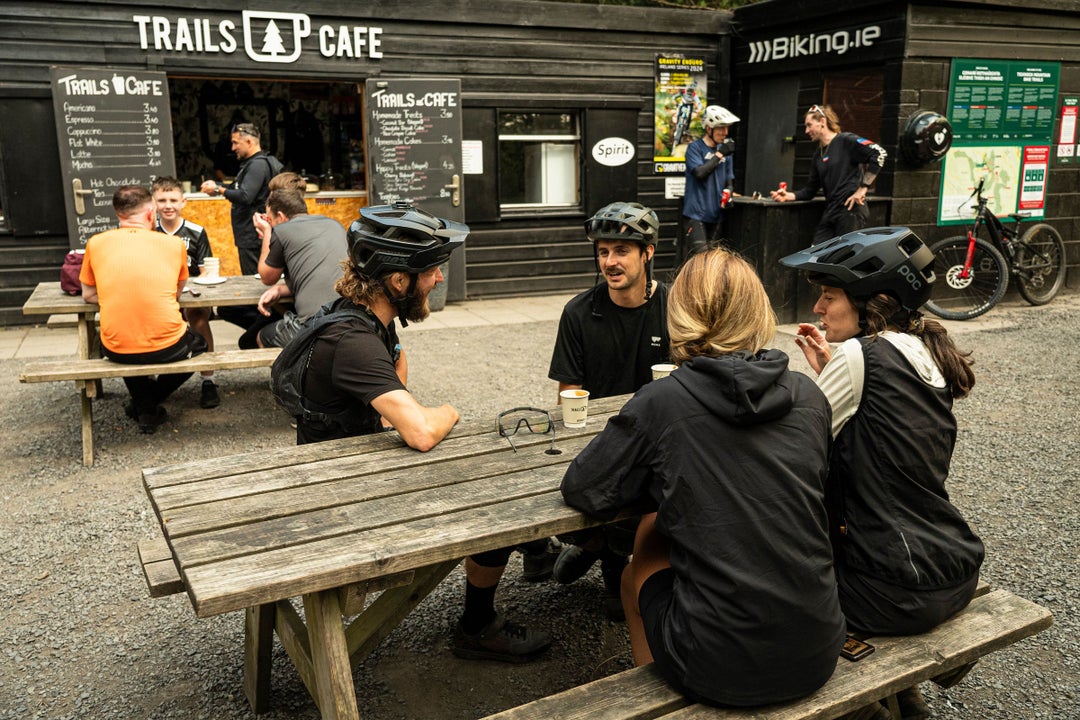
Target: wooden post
258, 642
330, 657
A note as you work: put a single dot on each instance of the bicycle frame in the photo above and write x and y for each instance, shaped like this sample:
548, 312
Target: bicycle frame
999, 234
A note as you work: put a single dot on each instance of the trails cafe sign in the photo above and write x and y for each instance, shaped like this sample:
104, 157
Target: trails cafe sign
266, 37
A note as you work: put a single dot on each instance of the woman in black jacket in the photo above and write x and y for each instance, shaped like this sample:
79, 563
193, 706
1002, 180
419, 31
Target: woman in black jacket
730, 590
905, 558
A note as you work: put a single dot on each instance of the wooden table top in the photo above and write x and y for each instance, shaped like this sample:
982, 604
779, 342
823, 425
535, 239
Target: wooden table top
49, 299
251, 529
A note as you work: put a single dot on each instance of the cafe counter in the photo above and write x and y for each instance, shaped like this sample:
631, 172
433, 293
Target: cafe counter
214, 214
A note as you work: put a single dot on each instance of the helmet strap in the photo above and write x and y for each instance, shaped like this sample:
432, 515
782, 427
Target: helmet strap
401, 304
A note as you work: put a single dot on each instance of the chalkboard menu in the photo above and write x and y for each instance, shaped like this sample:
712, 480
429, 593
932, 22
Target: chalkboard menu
414, 143
113, 128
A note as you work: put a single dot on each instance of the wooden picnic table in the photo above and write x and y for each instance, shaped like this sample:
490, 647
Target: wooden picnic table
330, 522
49, 299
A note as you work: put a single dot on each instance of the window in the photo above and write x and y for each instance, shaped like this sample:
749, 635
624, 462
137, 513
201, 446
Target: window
539, 160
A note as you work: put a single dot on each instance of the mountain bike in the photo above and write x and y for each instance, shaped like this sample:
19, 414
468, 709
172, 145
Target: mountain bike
973, 273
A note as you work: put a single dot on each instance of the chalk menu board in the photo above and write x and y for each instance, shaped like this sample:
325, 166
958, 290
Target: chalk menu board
114, 128
414, 142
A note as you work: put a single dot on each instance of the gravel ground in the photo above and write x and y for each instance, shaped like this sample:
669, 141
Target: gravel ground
80, 637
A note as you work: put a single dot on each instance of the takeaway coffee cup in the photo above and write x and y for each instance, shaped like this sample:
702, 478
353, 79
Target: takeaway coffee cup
662, 370
575, 407
212, 266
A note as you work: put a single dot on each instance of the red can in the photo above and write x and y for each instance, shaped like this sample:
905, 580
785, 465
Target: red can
783, 186
725, 198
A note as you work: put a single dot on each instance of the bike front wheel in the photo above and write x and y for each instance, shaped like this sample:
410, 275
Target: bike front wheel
1040, 264
955, 297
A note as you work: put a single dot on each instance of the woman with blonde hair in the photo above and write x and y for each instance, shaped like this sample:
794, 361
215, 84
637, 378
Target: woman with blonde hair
730, 590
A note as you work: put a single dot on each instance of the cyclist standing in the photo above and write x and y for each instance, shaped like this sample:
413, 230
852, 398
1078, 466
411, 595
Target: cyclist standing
844, 166
709, 171
905, 558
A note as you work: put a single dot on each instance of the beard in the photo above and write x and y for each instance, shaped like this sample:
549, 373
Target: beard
418, 308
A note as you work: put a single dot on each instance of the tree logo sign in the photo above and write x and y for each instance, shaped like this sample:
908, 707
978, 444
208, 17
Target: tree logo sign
274, 36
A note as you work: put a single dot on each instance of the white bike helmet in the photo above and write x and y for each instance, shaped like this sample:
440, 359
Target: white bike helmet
715, 116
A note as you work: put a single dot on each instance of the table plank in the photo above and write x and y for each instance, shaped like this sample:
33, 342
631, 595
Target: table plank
48, 299
236, 583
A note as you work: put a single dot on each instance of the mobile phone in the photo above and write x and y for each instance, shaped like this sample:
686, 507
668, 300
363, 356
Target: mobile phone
855, 649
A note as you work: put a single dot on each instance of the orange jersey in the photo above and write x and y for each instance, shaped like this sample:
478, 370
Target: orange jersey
136, 273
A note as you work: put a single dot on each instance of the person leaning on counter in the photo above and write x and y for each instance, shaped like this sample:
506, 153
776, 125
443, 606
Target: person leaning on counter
248, 193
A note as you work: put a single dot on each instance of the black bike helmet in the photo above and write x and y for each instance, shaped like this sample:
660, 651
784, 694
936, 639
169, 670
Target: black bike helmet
401, 238
622, 221
866, 262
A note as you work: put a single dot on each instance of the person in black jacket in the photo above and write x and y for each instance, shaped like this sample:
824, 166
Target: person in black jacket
905, 558
730, 590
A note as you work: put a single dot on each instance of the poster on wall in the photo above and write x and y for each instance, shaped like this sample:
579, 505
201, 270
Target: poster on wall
679, 98
1002, 114
1067, 149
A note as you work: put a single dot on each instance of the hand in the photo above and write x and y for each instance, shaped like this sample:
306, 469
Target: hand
209, 187
857, 198
268, 298
781, 195
262, 225
814, 346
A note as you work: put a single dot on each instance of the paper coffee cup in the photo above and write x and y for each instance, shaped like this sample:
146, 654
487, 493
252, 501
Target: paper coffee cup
662, 370
575, 407
186, 186
211, 266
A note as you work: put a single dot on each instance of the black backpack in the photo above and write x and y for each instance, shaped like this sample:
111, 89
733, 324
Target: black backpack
290, 367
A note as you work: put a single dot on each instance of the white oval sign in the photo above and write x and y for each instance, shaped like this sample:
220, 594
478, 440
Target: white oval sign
613, 151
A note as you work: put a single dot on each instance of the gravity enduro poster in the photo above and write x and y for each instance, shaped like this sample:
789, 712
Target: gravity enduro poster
679, 100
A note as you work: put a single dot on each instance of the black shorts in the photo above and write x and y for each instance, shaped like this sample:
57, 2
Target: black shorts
654, 600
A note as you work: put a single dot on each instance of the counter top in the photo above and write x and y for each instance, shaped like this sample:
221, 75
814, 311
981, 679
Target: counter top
320, 194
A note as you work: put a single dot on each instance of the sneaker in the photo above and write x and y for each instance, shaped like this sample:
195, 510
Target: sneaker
536, 567
574, 561
148, 424
912, 705
209, 397
500, 640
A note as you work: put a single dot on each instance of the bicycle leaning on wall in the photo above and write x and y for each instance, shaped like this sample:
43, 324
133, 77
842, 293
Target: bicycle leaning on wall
973, 273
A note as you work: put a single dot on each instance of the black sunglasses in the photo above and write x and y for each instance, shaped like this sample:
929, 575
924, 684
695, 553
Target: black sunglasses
246, 129
534, 420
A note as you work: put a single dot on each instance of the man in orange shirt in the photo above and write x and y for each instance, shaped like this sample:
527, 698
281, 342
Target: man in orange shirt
136, 276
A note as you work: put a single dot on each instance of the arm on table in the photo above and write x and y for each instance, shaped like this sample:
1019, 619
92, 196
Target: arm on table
89, 294
272, 295
422, 428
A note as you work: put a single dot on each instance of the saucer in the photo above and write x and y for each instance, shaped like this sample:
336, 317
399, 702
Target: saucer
208, 280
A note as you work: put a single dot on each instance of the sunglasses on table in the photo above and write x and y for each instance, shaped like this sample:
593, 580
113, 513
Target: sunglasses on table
533, 420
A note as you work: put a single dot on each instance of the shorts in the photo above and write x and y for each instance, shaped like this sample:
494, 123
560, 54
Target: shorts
654, 600
280, 332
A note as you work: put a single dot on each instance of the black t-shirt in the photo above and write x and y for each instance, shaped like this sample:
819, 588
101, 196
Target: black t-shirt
350, 366
838, 168
607, 349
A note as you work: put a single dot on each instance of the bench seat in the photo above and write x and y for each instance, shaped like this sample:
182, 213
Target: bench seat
990, 622
87, 373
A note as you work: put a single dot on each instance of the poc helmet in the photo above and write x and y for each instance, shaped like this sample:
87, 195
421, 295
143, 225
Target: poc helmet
715, 116
401, 238
863, 263
624, 221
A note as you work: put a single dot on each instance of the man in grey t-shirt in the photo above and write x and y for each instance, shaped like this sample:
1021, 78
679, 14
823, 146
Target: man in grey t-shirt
308, 250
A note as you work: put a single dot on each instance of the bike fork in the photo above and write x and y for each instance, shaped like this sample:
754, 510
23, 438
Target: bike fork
966, 272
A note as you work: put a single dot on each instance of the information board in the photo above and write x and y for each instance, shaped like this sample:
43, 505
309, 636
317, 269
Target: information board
996, 100
113, 128
414, 142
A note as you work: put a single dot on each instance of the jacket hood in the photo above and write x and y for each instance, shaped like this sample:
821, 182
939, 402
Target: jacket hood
741, 389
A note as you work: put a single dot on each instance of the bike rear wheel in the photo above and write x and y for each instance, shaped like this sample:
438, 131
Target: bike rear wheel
954, 297
1040, 264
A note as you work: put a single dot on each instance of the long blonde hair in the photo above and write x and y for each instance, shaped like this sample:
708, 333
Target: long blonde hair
716, 306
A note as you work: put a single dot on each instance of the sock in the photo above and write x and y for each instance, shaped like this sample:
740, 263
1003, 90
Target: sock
479, 608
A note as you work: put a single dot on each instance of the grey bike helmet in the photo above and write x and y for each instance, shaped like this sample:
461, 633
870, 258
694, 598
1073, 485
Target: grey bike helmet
401, 238
866, 262
623, 221
715, 116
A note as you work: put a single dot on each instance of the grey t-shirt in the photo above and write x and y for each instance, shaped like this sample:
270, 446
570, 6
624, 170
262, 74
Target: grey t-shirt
309, 248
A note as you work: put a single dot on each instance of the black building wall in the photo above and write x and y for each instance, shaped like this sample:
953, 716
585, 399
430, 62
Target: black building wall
592, 59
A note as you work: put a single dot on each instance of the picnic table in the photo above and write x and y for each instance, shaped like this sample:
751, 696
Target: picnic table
88, 369
331, 522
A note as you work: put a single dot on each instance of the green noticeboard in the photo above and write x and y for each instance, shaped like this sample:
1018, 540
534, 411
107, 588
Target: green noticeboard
1002, 101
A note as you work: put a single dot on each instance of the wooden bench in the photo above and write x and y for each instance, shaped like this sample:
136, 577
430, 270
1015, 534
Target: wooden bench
993, 620
87, 373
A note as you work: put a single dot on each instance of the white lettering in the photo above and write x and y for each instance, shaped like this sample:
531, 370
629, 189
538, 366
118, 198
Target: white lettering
798, 45
228, 40
161, 33
183, 36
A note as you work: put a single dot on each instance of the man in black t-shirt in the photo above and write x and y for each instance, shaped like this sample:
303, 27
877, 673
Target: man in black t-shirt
609, 338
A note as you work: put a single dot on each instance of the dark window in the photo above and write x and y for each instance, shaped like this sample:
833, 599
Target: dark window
539, 160
857, 96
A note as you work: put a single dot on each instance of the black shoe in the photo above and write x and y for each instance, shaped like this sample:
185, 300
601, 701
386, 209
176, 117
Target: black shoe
130, 411
912, 705
148, 424
536, 567
500, 640
209, 397
574, 561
